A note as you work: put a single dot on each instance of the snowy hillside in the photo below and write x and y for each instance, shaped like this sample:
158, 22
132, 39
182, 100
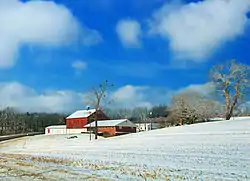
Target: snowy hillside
206, 151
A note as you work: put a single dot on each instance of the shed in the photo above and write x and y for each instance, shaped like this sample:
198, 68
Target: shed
56, 129
147, 126
113, 127
75, 122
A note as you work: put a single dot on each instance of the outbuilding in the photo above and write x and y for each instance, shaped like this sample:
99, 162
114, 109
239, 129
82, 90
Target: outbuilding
147, 126
113, 127
56, 129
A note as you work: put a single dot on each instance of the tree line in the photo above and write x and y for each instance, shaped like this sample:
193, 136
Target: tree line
14, 122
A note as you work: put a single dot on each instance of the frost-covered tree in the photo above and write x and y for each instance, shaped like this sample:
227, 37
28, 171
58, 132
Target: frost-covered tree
192, 107
232, 82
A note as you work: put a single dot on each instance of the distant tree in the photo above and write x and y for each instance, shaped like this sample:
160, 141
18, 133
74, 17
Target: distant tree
14, 122
159, 111
243, 110
96, 97
191, 107
118, 113
9, 120
141, 114
232, 81
109, 112
124, 113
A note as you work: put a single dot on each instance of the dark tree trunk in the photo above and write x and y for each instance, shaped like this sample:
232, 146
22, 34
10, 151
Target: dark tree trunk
228, 116
229, 113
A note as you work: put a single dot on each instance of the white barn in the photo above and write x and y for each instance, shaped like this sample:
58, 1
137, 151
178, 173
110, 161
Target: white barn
57, 129
147, 126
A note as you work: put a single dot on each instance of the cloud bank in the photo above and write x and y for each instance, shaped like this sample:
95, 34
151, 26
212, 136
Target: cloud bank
27, 99
38, 23
197, 29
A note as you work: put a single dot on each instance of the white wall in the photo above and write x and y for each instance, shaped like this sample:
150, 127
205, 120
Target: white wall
55, 131
143, 127
146, 126
76, 131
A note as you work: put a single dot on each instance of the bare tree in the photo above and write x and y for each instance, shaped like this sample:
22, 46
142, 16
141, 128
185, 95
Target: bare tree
243, 110
191, 107
96, 97
159, 110
123, 113
182, 109
232, 82
141, 113
9, 119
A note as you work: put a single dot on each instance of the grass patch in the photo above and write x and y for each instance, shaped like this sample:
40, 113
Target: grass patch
66, 172
49, 160
24, 164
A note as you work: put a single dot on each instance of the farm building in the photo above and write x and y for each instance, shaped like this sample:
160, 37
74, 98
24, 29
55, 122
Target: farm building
75, 122
147, 126
57, 129
113, 127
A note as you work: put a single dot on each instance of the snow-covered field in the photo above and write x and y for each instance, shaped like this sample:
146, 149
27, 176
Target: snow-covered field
206, 151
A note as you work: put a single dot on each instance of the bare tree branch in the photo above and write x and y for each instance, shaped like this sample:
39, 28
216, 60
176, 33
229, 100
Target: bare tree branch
96, 97
232, 82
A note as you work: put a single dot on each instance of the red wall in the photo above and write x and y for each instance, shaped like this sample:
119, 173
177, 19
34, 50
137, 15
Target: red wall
110, 130
76, 123
125, 129
81, 122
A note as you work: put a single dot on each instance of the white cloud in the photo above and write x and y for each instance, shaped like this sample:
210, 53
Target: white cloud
129, 32
38, 23
130, 96
24, 98
204, 89
195, 30
79, 65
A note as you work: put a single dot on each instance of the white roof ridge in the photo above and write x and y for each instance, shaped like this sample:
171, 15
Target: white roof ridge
81, 113
56, 126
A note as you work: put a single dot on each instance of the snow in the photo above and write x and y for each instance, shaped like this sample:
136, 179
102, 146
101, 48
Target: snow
81, 114
206, 151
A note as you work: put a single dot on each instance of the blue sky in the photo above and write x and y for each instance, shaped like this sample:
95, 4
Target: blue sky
147, 48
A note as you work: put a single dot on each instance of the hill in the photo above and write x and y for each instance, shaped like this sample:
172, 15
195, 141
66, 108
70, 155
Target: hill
206, 151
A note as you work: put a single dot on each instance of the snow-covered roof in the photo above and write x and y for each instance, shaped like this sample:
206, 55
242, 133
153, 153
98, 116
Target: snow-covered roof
81, 114
117, 122
56, 127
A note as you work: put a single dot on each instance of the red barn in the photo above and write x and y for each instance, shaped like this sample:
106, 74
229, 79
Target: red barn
75, 122
113, 127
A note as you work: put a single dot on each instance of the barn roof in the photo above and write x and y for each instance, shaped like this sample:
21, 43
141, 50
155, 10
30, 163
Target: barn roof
56, 127
81, 114
110, 123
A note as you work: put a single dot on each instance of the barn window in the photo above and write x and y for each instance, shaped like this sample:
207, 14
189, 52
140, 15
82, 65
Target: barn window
120, 127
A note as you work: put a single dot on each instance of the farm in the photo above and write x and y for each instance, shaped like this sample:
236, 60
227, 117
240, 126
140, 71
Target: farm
205, 151
108, 90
